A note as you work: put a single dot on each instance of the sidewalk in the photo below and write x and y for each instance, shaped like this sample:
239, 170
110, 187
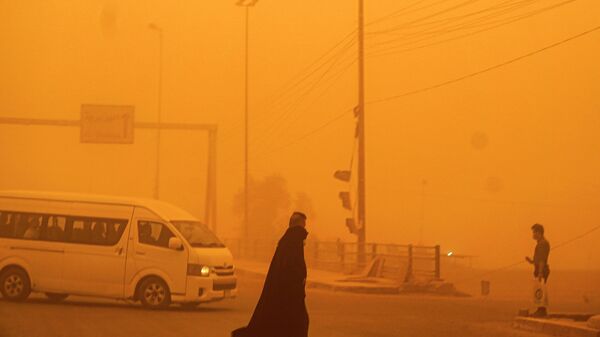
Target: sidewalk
560, 326
325, 280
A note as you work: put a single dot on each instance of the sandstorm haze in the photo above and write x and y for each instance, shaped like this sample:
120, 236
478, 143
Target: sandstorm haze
469, 166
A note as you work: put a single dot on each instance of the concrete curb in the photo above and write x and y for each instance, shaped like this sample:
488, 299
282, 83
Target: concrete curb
353, 288
345, 286
370, 288
560, 328
578, 317
594, 322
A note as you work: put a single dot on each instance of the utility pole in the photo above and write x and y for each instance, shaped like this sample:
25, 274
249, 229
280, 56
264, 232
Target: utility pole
210, 217
423, 185
159, 30
247, 4
362, 230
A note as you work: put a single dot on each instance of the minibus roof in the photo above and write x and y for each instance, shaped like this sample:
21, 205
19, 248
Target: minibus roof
163, 209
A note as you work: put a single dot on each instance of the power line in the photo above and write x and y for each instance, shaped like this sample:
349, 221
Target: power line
446, 10
485, 70
332, 81
293, 119
403, 11
320, 66
512, 265
288, 88
288, 109
448, 25
413, 92
432, 87
393, 50
308, 134
394, 13
434, 32
415, 23
568, 242
445, 25
320, 128
304, 136
296, 82
498, 8
332, 60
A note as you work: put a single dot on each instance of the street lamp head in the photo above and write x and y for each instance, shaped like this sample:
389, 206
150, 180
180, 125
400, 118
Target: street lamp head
246, 3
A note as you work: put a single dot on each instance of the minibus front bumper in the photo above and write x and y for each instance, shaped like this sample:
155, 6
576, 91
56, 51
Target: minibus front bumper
208, 289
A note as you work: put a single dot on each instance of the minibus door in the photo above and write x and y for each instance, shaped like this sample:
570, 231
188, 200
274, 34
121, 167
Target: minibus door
97, 268
150, 252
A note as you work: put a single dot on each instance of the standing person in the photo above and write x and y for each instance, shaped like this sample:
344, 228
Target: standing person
281, 311
541, 269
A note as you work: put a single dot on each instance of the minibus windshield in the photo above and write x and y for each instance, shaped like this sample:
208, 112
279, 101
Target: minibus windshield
197, 234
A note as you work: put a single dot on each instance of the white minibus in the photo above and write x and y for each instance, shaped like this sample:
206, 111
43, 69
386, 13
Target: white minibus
112, 247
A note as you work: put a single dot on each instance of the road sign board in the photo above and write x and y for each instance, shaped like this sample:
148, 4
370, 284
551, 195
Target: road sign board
112, 124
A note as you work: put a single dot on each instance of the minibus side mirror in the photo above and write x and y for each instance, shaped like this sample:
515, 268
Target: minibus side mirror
175, 243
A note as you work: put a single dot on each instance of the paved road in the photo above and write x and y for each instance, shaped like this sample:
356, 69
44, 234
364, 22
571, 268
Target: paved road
332, 315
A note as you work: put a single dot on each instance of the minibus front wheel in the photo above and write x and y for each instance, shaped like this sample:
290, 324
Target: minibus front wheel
15, 284
154, 293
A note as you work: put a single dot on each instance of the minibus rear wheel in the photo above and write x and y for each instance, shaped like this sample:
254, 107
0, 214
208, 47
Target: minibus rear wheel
154, 293
15, 284
54, 297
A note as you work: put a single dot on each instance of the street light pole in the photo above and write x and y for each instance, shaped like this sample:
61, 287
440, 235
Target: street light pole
362, 231
423, 186
247, 4
159, 30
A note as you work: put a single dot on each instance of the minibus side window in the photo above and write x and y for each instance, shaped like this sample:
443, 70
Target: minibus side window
20, 225
154, 233
6, 227
31, 226
93, 231
54, 230
5, 224
114, 231
81, 231
99, 232
61, 228
14, 220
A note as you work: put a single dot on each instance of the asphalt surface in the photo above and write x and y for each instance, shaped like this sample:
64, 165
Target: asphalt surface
331, 314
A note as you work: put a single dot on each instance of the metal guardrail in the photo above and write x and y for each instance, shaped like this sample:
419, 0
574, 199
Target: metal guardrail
402, 262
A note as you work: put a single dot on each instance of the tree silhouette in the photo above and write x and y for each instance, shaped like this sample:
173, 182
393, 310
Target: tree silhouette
269, 201
270, 204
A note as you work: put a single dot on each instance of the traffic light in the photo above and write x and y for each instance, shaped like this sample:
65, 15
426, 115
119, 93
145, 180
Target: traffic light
343, 175
345, 197
351, 226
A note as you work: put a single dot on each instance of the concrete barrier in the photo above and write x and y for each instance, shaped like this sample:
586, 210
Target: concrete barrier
551, 327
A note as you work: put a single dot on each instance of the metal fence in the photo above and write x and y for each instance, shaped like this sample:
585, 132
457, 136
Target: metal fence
401, 262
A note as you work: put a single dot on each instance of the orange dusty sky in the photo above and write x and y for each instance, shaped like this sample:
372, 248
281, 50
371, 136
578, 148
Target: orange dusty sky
498, 152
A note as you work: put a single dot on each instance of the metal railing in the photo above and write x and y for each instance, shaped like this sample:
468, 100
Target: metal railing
401, 262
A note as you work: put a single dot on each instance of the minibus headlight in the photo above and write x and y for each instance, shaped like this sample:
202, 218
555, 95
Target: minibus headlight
198, 270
